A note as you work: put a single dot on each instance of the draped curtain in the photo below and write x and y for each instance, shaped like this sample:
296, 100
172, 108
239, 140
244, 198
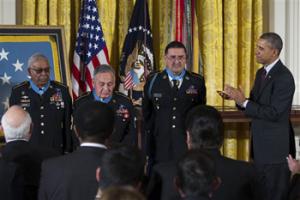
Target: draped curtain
227, 32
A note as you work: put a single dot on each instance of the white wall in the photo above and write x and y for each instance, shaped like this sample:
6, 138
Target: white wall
284, 19
8, 12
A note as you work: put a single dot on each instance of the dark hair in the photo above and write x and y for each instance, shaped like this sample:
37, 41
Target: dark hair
196, 172
121, 193
122, 166
205, 126
94, 121
175, 44
273, 39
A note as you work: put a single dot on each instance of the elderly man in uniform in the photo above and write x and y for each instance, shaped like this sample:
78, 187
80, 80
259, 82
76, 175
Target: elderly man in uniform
104, 84
48, 103
168, 95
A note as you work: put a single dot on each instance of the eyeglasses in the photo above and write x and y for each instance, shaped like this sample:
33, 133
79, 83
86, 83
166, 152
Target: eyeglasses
40, 70
178, 58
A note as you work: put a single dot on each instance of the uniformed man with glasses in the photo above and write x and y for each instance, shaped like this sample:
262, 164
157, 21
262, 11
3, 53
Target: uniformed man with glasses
48, 103
168, 95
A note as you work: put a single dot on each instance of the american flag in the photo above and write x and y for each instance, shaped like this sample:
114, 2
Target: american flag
128, 82
90, 48
13, 65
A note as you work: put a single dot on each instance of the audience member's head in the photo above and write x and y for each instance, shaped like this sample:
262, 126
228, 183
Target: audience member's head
16, 124
204, 128
196, 175
123, 166
93, 122
121, 193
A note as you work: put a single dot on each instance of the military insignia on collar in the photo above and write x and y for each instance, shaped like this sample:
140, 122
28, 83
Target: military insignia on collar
165, 76
123, 112
187, 78
191, 90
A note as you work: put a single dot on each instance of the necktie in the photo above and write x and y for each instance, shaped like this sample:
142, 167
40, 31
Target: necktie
175, 84
263, 74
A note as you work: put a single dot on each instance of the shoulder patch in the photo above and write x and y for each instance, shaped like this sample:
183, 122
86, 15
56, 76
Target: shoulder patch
21, 84
59, 83
152, 74
196, 74
83, 95
122, 95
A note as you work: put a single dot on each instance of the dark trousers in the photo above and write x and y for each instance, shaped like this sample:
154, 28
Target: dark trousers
274, 178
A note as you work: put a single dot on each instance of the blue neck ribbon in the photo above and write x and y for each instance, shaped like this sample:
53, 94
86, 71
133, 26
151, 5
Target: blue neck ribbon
103, 100
175, 77
38, 90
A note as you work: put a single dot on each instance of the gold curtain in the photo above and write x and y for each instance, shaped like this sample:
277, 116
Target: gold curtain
227, 31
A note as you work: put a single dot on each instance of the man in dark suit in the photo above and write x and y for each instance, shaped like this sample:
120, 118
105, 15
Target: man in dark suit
168, 95
16, 125
104, 85
124, 167
73, 176
11, 181
196, 177
48, 103
205, 131
269, 107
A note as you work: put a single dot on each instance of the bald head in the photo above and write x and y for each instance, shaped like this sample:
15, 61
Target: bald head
16, 124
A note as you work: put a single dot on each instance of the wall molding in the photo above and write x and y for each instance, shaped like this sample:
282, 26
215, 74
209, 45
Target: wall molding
8, 12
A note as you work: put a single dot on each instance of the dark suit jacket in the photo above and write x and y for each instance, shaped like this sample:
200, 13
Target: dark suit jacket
11, 181
238, 180
195, 198
269, 107
164, 111
294, 189
71, 177
29, 160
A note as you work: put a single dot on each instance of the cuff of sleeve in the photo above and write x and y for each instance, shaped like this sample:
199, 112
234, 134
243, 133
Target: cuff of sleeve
245, 103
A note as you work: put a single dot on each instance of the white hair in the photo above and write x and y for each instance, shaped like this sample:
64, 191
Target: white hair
35, 57
16, 133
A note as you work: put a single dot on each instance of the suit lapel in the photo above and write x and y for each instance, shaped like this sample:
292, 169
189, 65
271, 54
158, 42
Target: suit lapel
270, 77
